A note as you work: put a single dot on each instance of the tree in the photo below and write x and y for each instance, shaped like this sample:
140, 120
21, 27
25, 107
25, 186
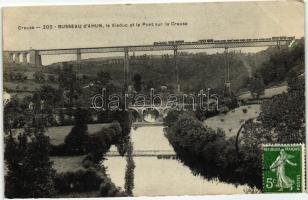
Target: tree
256, 86
284, 114
282, 61
14, 114
50, 99
137, 79
149, 84
103, 81
69, 85
30, 173
125, 120
76, 141
129, 173
104, 78
49, 95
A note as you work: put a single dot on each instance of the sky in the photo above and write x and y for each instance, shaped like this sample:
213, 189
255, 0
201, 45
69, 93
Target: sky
230, 20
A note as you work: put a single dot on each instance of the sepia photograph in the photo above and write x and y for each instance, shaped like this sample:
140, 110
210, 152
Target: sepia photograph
160, 99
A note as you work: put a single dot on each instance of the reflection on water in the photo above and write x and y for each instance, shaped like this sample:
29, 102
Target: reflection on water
155, 177
149, 118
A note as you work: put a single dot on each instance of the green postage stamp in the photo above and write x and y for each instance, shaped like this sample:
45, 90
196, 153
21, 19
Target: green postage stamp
283, 168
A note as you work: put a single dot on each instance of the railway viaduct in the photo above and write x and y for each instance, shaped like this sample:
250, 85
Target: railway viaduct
33, 57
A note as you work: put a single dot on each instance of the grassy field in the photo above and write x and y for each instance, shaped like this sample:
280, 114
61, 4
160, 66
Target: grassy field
57, 134
78, 195
27, 85
64, 164
268, 92
67, 163
231, 121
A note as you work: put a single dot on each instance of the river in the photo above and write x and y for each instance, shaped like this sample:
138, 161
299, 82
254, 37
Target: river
160, 177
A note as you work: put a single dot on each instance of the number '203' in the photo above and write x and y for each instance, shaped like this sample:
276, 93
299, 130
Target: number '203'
47, 27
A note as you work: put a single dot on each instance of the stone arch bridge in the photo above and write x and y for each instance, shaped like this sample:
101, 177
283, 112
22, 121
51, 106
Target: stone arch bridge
140, 113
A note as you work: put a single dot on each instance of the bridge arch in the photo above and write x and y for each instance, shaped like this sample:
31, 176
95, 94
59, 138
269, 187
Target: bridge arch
151, 115
164, 112
136, 114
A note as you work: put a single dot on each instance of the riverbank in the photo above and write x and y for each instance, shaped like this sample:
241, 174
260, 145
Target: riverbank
159, 177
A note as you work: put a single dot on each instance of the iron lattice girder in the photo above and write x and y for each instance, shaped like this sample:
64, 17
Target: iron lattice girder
194, 45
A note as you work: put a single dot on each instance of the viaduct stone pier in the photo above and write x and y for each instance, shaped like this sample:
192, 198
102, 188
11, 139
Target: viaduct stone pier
31, 57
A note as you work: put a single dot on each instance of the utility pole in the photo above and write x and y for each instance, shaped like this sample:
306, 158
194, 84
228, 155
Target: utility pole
175, 54
126, 67
227, 72
78, 60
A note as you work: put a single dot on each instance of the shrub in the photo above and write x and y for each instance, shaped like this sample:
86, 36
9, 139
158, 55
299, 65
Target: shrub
58, 150
11, 76
18, 76
51, 78
204, 114
79, 181
224, 109
100, 142
105, 116
6, 76
231, 102
244, 110
76, 141
172, 117
39, 76
87, 163
108, 189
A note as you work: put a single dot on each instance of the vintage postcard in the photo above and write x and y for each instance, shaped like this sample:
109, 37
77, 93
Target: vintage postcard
154, 99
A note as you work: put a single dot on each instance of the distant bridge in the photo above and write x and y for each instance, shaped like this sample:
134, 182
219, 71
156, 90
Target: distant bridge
141, 111
138, 112
143, 124
147, 153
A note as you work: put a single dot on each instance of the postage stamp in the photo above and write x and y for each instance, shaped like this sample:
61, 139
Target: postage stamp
283, 168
